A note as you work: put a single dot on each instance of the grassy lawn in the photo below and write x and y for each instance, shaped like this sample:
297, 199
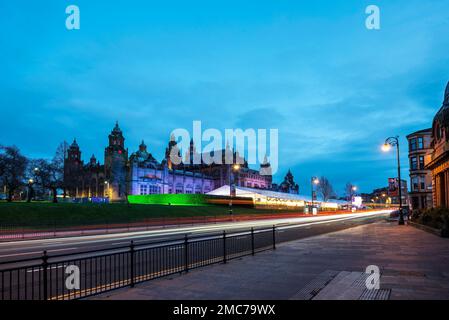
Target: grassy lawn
72, 214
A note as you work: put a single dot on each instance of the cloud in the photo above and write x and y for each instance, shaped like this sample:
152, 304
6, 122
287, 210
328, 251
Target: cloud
333, 89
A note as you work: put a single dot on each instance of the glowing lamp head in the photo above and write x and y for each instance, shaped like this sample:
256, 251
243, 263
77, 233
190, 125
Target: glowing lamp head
316, 181
236, 167
31, 181
386, 147
354, 188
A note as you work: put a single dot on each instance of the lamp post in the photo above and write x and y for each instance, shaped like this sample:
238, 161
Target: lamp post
314, 181
108, 190
232, 170
31, 182
394, 142
30, 190
351, 195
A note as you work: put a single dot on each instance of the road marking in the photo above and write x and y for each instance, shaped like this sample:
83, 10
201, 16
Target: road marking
34, 252
119, 243
63, 249
40, 269
19, 254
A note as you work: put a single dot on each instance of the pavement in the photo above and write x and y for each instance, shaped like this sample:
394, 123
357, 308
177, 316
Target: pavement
414, 264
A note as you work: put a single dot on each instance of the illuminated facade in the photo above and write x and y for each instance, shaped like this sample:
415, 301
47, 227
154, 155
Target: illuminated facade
222, 173
439, 159
273, 199
141, 174
148, 176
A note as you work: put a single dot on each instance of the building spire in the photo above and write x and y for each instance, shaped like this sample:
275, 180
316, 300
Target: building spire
116, 128
74, 143
143, 146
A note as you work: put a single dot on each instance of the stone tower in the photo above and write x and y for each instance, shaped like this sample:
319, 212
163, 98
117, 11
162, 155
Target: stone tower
115, 165
73, 167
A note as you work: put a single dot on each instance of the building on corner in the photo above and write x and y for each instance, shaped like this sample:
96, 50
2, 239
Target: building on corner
419, 153
439, 159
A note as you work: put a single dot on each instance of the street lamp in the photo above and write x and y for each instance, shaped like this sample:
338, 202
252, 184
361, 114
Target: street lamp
351, 195
30, 190
313, 182
108, 189
235, 168
394, 142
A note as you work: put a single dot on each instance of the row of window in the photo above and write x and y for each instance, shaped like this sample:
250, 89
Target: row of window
153, 189
419, 184
417, 163
250, 185
416, 144
149, 189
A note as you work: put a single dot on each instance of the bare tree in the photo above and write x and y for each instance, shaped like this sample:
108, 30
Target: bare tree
59, 161
325, 189
50, 174
350, 190
12, 169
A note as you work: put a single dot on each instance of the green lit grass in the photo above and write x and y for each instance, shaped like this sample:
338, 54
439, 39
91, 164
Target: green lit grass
172, 199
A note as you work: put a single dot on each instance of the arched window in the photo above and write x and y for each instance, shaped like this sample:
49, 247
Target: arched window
438, 131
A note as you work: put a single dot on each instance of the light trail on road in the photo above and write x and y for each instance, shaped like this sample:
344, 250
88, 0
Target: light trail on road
31, 248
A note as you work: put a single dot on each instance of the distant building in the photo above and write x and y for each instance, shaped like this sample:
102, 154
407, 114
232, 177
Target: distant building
82, 180
148, 176
378, 196
439, 160
419, 153
288, 185
140, 173
222, 173
393, 191
387, 195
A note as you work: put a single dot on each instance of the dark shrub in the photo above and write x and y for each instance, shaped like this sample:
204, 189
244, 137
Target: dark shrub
416, 215
436, 218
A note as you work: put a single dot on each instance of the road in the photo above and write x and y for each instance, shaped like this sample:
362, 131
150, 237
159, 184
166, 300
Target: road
17, 250
110, 266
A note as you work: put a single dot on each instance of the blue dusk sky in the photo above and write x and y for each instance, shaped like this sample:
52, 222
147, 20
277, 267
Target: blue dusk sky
334, 89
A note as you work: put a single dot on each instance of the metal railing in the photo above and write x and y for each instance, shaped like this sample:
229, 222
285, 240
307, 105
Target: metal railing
45, 278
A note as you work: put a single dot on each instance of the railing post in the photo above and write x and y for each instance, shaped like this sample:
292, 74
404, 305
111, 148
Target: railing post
186, 253
131, 250
224, 246
252, 241
45, 275
274, 237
